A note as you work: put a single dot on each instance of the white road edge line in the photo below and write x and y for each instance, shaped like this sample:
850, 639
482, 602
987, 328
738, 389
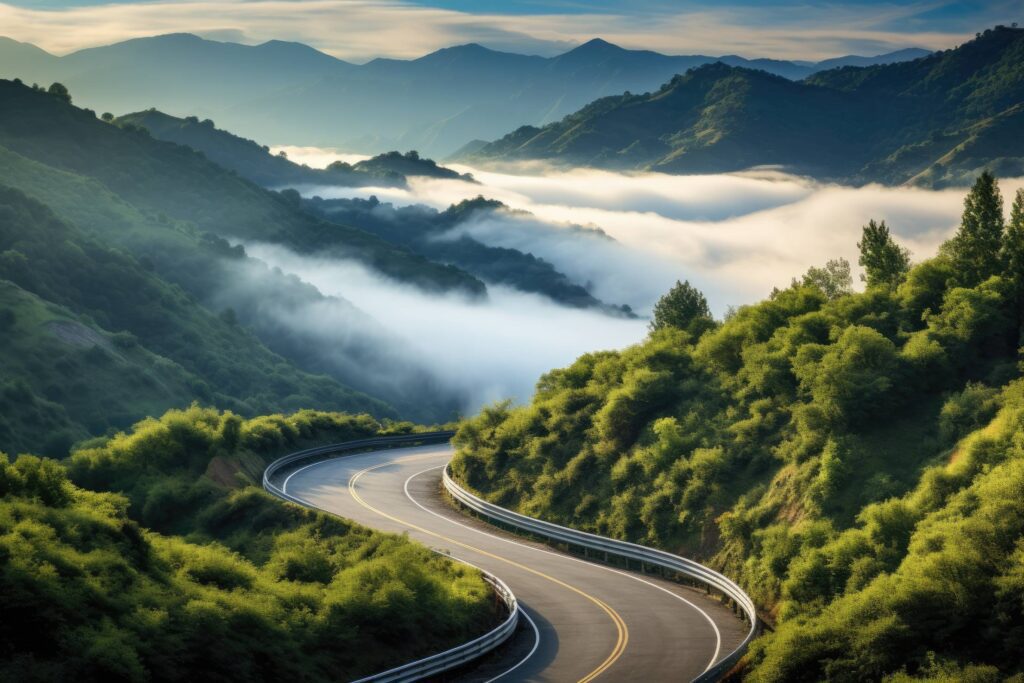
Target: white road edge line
536, 644
718, 635
536, 631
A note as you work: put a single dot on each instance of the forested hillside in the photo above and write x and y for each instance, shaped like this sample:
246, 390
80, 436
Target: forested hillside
94, 340
938, 120
854, 459
169, 179
164, 214
254, 162
435, 235
250, 159
153, 555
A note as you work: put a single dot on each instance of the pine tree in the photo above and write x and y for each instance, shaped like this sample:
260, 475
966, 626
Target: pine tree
1013, 253
977, 246
885, 263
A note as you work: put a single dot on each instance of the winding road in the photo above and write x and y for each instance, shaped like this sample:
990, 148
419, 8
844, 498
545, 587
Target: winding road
586, 620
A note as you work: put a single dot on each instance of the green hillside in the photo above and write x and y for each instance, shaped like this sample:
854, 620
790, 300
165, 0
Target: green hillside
65, 378
104, 313
891, 123
408, 164
197, 574
181, 184
251, 160
852, 458
219, 277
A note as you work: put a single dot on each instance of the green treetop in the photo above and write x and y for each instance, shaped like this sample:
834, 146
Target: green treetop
683, 307
833, 279
885, 263
975, 249
1013, 246
1013, 251
60, 91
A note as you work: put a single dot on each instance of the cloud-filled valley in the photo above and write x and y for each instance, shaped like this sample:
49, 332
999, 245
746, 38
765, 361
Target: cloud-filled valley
627, 238
736, 235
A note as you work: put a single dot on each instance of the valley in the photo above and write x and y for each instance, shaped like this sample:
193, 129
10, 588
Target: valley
532, 357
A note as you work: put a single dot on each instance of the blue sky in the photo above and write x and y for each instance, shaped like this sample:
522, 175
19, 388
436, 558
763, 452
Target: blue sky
363, 29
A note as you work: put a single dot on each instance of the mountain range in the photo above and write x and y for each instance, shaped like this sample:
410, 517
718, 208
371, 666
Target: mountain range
937, 120
281, 92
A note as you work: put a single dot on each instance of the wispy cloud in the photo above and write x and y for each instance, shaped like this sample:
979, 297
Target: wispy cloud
479, 351
361, 29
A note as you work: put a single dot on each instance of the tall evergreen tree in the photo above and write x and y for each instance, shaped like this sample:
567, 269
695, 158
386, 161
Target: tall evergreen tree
977, 246
885, 263
1013, 253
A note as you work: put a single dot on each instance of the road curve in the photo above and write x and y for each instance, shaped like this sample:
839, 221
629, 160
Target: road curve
593, 621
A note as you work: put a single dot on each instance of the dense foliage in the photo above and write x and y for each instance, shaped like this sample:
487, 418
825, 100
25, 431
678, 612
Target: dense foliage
937, 120
249, 589
853, 458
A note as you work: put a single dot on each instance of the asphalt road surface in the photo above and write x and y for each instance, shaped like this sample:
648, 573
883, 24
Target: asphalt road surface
586, 621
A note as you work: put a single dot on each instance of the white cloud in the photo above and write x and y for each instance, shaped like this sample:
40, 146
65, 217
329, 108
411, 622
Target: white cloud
481, 351
734, 235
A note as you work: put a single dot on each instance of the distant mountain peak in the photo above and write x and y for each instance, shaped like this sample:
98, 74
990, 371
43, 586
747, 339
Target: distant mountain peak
181, 37
467, 48
596, 45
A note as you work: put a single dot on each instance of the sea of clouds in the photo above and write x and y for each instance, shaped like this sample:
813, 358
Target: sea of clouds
629, 237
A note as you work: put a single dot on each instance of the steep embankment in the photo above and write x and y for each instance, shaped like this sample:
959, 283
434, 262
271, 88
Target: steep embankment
76, 377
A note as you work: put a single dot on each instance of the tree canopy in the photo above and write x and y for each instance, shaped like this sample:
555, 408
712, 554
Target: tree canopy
976, 248
885, 263
683, 307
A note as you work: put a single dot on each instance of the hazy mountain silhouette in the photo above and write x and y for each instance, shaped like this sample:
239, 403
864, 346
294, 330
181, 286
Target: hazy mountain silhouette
280, 92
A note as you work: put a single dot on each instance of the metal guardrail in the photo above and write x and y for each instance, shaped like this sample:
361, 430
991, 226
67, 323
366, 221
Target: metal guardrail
443, 661
632, 551
461, 654
323, 452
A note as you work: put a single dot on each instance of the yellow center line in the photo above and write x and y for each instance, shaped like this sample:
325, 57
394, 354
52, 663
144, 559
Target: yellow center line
620, 625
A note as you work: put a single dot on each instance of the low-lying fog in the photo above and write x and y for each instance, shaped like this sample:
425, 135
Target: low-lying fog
736, 236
